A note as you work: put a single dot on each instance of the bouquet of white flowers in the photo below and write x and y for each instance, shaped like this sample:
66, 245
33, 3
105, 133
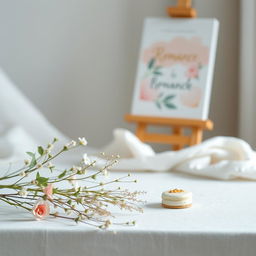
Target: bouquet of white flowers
43, 196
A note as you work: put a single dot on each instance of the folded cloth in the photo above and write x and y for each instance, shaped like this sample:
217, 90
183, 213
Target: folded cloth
219, 157
22, 126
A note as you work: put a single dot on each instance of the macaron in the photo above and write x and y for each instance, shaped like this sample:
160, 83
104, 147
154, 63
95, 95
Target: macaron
177, 199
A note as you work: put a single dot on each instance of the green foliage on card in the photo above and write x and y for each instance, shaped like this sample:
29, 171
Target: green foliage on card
168, 102
151, 63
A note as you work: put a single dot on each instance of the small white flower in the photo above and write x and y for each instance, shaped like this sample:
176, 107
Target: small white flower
82, 200
26, 162
76, 187
50, 146
39, 166
84, 171
23, 192
75, 169
83, 217
68, 212
86, 160
71, 144
82, 141
34, 182
105, 172
73, 181
23, 174
107, 223
49, 165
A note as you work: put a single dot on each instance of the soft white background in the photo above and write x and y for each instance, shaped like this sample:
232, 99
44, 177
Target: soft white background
76, 59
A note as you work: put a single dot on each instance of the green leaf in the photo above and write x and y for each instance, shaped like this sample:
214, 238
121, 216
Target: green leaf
33, 163
33, 160
168, 101
157, 73
35, 194
30, 154
170, 105
77, 192
151, 63
62, 174
41, 180
40, 150
169, 98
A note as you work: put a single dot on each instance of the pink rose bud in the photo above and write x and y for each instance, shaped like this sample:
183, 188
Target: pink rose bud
41, 209
48, 191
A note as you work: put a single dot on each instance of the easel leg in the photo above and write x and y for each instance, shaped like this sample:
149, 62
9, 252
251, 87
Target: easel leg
177, 131
184, 3
140, 131
196, 136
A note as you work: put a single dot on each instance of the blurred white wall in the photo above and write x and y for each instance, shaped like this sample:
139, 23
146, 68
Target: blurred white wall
76, 59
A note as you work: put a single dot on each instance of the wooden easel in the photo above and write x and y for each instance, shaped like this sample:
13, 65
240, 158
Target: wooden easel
182, 10
177, 139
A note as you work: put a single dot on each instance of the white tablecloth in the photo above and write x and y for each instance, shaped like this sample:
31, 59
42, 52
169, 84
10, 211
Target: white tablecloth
222, 221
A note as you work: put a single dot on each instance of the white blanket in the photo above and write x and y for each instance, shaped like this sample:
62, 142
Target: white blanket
219, 157
22, 126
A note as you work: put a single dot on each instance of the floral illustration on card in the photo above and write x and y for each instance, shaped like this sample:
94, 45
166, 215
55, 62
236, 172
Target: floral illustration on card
148, 93
173, 72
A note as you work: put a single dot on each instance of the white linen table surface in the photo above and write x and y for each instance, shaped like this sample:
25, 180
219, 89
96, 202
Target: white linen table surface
222, 221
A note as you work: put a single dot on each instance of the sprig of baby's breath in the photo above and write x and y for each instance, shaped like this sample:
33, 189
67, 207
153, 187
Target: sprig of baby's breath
44, 195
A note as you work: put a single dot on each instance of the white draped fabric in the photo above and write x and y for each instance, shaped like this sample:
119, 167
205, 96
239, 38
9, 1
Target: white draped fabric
22, 126
220, 157
247, 89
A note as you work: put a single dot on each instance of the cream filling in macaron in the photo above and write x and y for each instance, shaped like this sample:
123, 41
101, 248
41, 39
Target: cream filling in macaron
177, 203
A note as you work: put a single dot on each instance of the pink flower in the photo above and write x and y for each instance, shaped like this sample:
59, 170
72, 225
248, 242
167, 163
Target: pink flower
147, 93
192, 72
48, 191
41, 209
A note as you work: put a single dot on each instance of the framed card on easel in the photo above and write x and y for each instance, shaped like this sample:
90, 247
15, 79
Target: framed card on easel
174, 77
175, 68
